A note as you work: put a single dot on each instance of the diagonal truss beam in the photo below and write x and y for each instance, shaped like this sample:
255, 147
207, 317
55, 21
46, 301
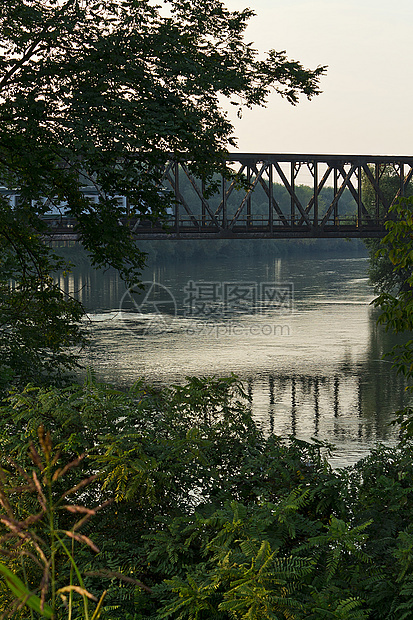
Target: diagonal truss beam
247, 195
375, 186
200, 195
406, 182
293, 195
181, 199
227, 192
346, 179
357, 197
318, 191
273, 202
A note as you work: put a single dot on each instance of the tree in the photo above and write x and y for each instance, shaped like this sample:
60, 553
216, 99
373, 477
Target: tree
397, 245
39, 325
397, 306
102, 93
106, 92
382, 274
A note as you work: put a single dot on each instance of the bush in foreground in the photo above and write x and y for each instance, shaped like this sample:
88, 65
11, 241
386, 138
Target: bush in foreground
198, 514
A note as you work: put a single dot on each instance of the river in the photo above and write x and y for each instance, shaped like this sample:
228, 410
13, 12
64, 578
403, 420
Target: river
300, 333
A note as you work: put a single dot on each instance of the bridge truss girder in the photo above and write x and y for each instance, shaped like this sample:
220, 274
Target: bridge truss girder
238, 209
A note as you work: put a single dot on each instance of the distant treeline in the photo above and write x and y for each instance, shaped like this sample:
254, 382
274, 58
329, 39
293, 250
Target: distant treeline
193, 249
186, 249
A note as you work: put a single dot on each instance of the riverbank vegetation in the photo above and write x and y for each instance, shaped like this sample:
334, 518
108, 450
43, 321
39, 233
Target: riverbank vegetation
173, 504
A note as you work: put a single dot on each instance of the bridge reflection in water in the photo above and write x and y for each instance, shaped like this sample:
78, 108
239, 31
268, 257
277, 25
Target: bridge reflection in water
342, 408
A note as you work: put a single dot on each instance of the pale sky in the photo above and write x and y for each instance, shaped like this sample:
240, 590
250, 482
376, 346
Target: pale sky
367, 99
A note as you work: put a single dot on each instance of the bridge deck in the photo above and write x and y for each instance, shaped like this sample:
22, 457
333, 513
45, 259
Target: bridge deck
149, 231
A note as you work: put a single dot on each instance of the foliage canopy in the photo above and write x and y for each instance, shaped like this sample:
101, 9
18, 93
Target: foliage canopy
103, 93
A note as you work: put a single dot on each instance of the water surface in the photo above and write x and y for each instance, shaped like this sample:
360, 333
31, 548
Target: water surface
311, 360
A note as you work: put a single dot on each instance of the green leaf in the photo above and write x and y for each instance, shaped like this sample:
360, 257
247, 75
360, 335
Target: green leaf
23, 594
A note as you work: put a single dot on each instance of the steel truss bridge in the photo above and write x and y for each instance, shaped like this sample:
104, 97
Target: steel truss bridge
256, 211
346, 196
